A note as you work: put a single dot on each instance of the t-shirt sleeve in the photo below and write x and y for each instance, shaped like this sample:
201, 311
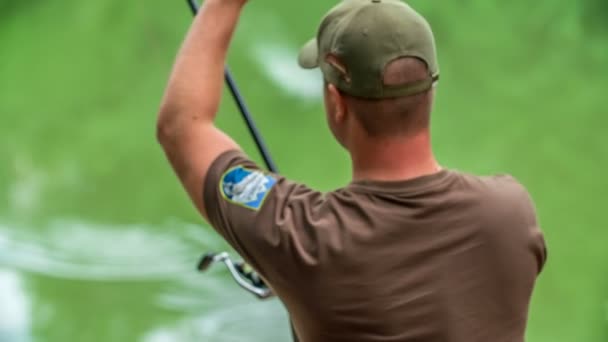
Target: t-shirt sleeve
526, 214
257, 212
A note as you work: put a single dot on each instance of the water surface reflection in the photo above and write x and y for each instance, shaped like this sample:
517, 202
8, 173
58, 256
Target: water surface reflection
80, 281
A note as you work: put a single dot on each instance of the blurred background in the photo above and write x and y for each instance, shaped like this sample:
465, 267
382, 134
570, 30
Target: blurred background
98, 241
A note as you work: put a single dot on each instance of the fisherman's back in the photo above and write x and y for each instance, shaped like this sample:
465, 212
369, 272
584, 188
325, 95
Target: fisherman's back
446, 257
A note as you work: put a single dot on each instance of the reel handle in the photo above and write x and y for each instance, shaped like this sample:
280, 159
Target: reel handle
246, 278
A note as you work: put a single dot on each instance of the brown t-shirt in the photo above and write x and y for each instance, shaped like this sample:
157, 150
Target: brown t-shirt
444, 257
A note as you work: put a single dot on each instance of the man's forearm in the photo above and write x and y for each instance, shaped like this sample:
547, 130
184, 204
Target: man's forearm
195, 86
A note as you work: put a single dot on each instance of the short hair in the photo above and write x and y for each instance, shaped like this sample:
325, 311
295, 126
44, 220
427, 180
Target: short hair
396, 116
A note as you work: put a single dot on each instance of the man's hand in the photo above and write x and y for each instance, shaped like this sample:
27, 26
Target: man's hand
185, 126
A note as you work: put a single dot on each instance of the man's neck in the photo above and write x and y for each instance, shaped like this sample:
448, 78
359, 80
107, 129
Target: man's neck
394, 159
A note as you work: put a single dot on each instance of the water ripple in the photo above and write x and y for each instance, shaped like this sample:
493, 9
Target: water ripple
81, 250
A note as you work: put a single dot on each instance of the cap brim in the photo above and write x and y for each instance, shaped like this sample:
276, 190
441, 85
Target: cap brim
309, 55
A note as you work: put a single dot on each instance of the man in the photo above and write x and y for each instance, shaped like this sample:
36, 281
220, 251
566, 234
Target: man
408, 251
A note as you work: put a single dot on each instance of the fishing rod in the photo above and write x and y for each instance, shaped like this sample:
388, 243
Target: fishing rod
244, 275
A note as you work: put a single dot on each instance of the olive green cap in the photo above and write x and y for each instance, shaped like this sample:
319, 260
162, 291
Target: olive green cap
356, 41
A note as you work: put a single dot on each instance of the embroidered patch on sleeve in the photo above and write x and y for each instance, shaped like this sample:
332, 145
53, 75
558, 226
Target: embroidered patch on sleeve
247, 188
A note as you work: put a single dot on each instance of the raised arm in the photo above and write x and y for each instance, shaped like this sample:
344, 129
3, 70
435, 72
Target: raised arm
185, 126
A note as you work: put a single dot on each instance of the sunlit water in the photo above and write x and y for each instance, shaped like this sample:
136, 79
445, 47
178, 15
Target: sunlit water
149, 271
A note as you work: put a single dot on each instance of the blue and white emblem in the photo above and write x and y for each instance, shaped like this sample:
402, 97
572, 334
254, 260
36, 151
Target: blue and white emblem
246, 187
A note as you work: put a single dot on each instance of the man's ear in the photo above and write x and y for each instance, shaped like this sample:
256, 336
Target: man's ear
337, 101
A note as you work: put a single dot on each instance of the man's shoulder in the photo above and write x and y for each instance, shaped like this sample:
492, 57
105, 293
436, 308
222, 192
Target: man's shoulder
502, 183
499, 195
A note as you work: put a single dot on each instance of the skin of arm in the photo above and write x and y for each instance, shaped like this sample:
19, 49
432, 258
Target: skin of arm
185, 124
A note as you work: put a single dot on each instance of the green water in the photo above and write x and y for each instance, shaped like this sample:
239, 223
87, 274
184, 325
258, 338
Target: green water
99, 243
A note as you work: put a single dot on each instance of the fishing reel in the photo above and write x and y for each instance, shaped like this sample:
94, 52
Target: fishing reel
244, 276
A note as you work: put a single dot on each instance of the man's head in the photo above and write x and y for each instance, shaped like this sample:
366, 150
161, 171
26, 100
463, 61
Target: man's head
379, 63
